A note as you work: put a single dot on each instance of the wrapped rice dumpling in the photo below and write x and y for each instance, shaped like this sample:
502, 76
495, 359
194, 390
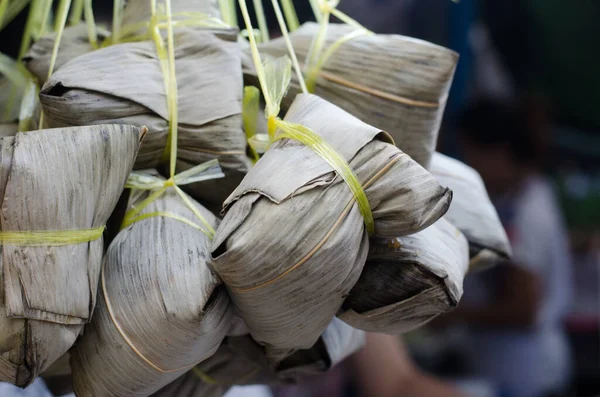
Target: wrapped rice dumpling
472, 211
409, 280
337, 342
242, 361
74, 42
66, 182
395, 83
160, 308
90, 90
293, 242
238, 361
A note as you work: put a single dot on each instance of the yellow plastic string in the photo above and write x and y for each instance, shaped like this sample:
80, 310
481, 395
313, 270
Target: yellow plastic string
291, 17
278, 74
316, 48
314, 141
28, 34
50, 238
329, 7
315, 69
59, 26
159, 187
133, 213
90, 23
224, 8
197, 173
228, 12
314, 4
233, 10
288, 43
61, 5
250, 109
40, 21
172, 95
166, 55
317, 57
204, 377
45, 17
3, 8
61, 21
76, 12
262, 20
274, 77
192, 207
117, 20
13, 9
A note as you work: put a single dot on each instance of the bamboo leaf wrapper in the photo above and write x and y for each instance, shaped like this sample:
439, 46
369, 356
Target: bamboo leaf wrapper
72, 179
293, 243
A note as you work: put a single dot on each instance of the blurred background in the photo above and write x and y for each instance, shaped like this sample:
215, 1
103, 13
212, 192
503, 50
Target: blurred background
522, 111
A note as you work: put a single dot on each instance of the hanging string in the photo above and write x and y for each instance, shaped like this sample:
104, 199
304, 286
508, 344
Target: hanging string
274, 78
288, 43
13, 8
157, 186
117, 20
3, 8
76, 12
317, 57
45, 20
50, 238
262, 20
90, 23
290, 14
166, 56
61, 21
314, 4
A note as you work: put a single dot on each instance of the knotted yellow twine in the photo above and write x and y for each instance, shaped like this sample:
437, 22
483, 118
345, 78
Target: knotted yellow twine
274, 77
166, 55
42, 238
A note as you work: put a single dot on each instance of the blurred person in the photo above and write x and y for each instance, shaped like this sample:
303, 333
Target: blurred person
514, 312
383, 368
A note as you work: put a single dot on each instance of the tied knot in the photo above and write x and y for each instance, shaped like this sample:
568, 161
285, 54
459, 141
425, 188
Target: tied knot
328, 6
272, 126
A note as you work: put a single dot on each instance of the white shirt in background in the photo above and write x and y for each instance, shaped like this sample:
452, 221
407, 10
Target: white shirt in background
527, 363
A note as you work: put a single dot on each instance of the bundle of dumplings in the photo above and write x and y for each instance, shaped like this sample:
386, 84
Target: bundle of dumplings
242, 249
